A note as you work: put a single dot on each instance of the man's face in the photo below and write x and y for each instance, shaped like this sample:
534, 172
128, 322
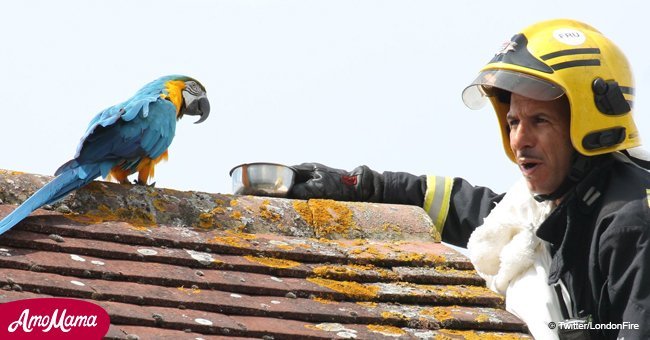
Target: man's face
540, 141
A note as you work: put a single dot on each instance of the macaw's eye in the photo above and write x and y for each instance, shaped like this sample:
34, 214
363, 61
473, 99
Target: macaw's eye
193, 88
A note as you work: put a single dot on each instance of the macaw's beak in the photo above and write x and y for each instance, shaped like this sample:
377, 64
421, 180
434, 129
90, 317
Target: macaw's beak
198, 106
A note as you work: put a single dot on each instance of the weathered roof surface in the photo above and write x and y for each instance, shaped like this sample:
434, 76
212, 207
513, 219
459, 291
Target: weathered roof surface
188, 265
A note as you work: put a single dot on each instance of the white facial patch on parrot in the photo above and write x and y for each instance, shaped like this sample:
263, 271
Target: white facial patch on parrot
569, 36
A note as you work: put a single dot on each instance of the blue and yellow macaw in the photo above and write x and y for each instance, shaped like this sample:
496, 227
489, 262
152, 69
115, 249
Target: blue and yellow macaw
126, 138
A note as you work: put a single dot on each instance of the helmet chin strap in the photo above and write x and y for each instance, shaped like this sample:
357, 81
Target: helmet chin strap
580, 165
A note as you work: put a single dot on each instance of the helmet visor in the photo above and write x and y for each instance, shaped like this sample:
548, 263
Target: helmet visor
474, 96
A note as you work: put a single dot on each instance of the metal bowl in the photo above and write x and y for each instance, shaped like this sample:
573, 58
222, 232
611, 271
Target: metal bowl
262, 179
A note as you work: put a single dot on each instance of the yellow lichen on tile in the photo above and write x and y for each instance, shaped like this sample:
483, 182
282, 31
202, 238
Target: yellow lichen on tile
330, 217
387, 274
386, 330
333, 271
461, 292
137, 217
436, 259
359, 242
440, 313
267, 214
327, 217
475, 291
410, 257
393, 315
352, 271
456, 272
233, 241
208, 220
159, 205
352, 289
448, 334
392, 227
368, 252
357, 251
302, 208
244, 236
235, 215
218, 210
367, 304
142, 229
189, 291
285, 247
362, 267
482, 318
313, 327
435, 234
234, 203
272, 262
324, 301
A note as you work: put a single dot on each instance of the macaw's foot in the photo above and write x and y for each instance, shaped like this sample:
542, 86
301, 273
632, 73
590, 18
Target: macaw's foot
139, 182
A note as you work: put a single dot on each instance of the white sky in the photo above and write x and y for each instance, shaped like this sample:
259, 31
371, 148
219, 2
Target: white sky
343, 83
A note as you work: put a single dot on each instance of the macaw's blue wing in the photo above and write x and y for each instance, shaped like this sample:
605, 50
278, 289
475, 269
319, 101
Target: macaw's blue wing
138, 105
126, 134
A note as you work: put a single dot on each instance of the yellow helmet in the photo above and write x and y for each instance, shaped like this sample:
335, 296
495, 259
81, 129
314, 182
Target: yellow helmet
557, 57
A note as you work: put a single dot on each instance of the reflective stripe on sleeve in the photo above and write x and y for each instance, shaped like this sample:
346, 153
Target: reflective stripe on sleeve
436, 199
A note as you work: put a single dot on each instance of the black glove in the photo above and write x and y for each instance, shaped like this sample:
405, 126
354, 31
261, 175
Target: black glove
319, 181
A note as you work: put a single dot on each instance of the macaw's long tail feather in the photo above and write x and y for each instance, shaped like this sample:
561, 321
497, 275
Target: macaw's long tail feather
60, 186
71, 164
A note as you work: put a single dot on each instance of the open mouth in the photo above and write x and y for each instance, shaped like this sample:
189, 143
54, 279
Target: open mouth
528, 166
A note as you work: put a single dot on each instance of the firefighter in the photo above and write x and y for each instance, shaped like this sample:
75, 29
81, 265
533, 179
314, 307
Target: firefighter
563, 95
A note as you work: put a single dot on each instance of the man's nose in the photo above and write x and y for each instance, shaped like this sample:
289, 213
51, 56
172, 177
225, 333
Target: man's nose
521, 137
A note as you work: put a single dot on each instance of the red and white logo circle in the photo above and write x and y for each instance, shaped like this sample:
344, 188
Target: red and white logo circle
52, 318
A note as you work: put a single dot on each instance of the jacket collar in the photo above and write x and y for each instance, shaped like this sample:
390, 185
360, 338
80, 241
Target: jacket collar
569, 226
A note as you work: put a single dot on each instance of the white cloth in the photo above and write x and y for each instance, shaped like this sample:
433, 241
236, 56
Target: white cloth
514, 262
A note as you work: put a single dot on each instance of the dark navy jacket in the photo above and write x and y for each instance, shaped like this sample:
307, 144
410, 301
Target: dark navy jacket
599, 239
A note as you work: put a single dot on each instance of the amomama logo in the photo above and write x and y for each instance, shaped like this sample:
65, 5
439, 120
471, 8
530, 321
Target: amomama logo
52, 318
